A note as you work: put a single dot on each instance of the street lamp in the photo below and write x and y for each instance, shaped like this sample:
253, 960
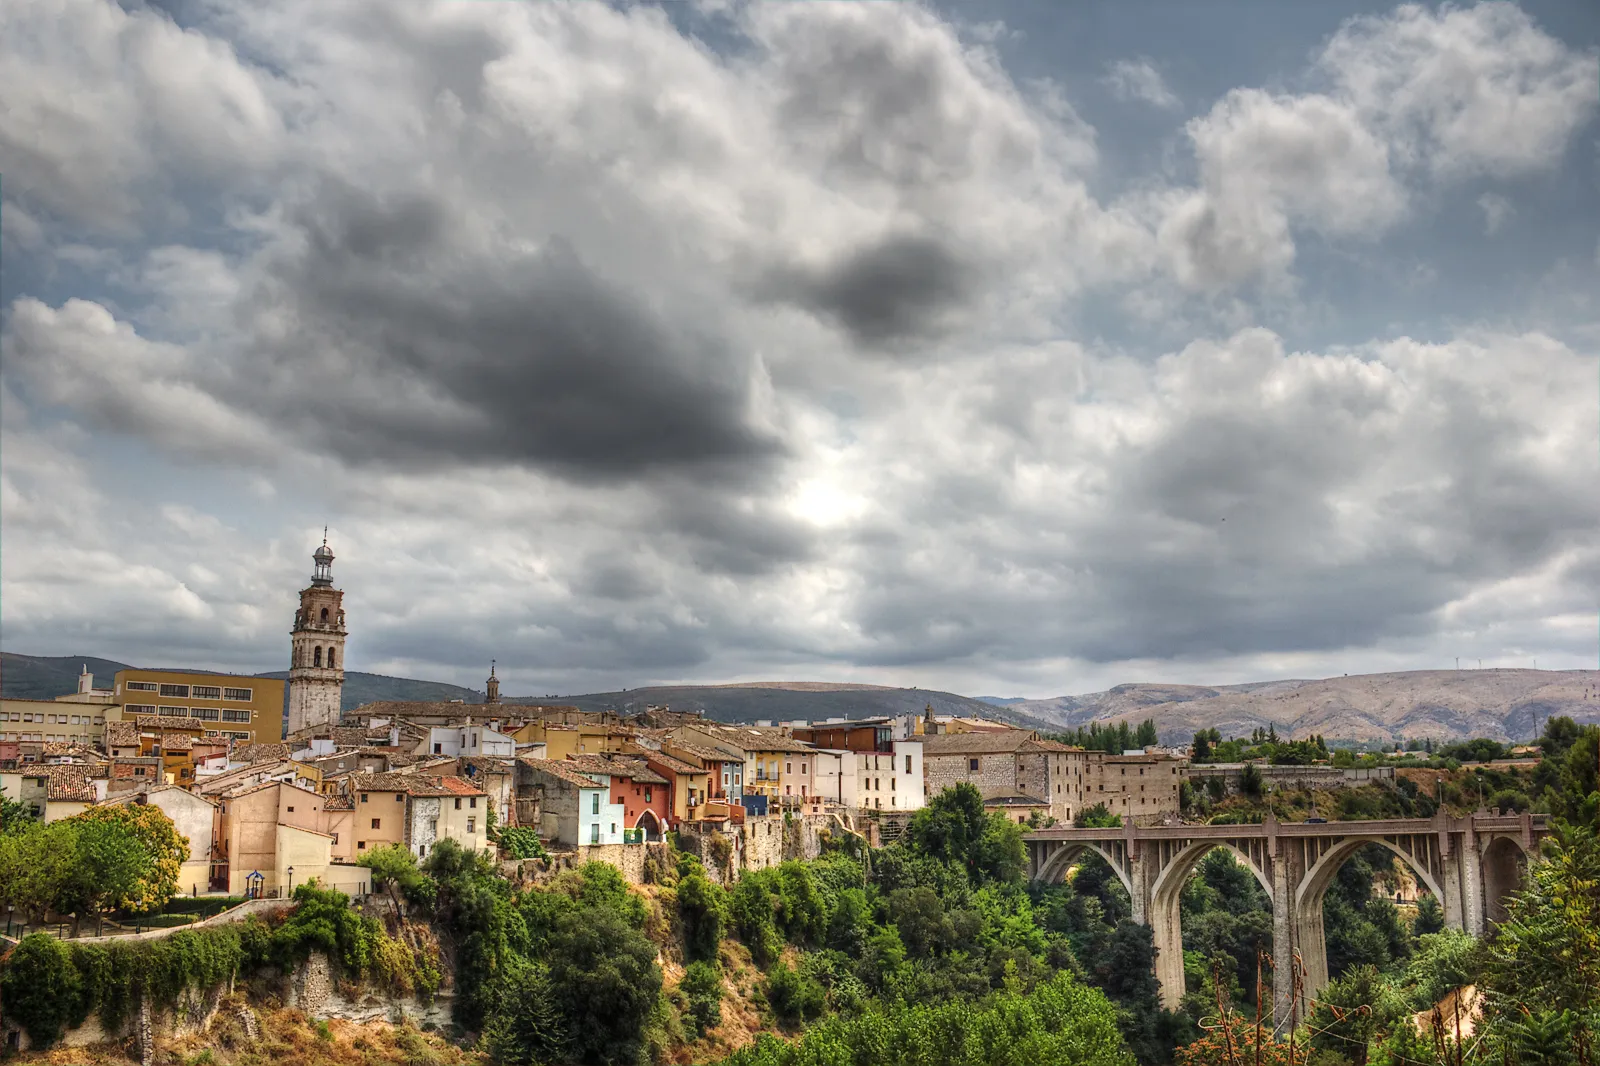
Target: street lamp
291, 880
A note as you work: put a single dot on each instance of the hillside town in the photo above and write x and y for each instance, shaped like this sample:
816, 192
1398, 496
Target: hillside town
266, 803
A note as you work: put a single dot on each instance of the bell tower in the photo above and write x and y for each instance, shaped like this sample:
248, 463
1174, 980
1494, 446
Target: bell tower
316, 648
491, 686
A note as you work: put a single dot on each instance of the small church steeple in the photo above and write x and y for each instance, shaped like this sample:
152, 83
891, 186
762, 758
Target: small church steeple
491, 686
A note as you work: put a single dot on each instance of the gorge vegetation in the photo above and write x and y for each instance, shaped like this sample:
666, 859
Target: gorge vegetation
933, 951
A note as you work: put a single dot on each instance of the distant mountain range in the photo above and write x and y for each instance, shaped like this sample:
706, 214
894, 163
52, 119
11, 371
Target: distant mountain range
792, 700
1443, 704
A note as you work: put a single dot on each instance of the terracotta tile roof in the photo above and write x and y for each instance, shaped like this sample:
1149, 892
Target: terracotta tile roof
487, 764
705, 751
270, 751
677, 766
384, 782
561, 769
67, 783
336, 802
456, 786
121, 734
631, 768
975, 743
752, 738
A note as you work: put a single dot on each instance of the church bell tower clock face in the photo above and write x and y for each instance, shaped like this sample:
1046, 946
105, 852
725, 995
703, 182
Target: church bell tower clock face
316, 649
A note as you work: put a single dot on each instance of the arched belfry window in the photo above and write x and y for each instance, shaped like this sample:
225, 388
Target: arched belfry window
330, 657
316, 656
324, 614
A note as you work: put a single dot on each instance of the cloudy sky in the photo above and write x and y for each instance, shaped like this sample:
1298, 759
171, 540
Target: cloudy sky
1009, 348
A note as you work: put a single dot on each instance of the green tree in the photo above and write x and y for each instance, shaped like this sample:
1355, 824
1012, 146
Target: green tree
394, 870
166, 848
110, 865
474, 910
13, 813
1250, 781
702, 909
1546, 954
1430, 916
522, 1024
702, 988
606, 982
1096, 817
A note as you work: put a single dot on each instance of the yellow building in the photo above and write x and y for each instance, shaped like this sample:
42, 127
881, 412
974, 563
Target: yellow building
246, 709
53, 722
581, 738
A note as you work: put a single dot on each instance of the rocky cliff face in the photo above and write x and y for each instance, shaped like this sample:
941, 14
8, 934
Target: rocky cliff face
1442, 704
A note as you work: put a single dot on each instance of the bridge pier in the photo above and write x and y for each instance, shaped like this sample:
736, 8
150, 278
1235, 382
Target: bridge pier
1467, 863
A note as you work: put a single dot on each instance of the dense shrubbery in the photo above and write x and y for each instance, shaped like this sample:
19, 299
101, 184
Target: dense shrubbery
49, 984
1057, 1022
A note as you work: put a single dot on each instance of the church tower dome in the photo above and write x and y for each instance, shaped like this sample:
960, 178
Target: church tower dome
316, 648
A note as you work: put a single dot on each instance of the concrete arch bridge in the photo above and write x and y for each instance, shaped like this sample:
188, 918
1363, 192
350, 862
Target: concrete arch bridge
1470, 864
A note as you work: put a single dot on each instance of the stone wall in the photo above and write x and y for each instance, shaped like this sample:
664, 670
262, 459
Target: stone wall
1290, 777
311, 988
629, 858
996, 774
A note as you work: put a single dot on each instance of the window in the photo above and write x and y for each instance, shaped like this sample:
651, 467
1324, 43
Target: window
210, 714
330, 658
972, 764
175, 690
324, 614
363, 797
891, 783
243, 694
472, 801
399, 798
376, 823
143, 686
908, 764
596, 809
336, 838
433, 826
594, 833
231, 714
174, 712
802, 767
438, 749
361, 845
647, 794
788, 767
205, 692
472, 825
291, 810
458, 804
422, 850
316, 656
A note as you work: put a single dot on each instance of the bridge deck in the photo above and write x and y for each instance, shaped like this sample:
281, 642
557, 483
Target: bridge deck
1481, 823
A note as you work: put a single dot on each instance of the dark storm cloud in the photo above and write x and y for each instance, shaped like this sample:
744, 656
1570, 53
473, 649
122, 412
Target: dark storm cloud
418, 342
898, 289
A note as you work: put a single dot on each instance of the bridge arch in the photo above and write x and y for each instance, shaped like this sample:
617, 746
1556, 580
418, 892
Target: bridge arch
1312, 893
1054, 870
1504, 865
1314, 886
1165, 915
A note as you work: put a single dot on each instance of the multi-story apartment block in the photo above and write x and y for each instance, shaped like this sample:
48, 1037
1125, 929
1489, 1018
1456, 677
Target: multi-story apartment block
217, 706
